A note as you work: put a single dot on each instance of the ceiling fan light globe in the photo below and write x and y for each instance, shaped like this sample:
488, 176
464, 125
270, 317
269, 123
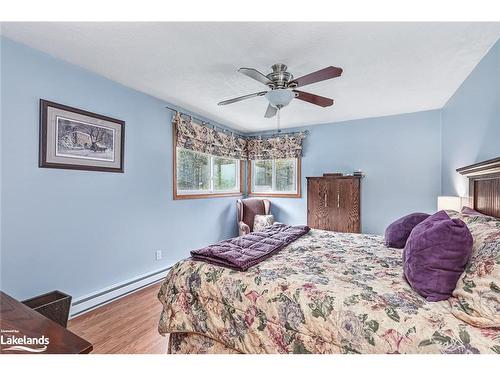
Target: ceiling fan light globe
279, 98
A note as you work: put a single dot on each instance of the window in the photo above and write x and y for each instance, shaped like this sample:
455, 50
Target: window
280, 177
200, 175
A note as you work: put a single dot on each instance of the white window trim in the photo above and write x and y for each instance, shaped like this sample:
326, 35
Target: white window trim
273, 180
212, 190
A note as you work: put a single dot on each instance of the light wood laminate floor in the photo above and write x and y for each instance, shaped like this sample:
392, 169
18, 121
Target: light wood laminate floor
127, 325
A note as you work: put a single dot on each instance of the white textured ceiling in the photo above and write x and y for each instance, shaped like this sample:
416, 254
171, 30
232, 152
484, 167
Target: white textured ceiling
389, 68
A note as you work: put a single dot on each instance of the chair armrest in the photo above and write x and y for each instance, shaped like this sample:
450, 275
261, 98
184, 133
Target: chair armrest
243, 228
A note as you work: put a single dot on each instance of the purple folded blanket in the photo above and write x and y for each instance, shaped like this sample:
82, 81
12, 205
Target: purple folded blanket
243, 252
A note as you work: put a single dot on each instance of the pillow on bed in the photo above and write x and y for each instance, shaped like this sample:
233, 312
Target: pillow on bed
473, 213
261, 222
470, 211
435, 256
398, 232
477, 295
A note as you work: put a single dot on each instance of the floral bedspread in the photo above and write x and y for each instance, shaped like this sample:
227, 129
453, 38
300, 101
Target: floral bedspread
327, 292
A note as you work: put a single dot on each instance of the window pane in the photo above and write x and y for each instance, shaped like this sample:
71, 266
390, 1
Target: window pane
263, 175
285, 175
193, 170
225, 174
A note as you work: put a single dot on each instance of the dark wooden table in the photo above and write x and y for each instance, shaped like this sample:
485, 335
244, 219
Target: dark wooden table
18, 320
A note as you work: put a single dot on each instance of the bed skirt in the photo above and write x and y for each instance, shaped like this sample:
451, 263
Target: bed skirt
193, 343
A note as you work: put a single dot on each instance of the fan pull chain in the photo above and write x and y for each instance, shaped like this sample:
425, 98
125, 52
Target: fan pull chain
278, 118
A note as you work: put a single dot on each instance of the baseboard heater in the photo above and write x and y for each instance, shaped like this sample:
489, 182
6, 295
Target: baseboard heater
101, 297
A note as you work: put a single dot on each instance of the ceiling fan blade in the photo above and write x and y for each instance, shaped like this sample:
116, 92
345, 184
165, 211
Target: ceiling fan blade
255, 74
320, 75
314, 99
240, 98
271, 111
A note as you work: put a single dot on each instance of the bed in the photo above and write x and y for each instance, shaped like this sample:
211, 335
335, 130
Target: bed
327, 292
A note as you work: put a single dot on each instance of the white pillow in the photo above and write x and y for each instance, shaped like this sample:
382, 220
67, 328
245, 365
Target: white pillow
261, 222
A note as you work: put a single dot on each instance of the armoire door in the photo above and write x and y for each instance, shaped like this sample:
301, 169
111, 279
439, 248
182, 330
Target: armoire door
332, 190
321, 209
347, 204
315, 212
317, 203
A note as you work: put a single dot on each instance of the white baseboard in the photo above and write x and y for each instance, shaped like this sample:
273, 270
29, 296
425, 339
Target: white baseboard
101, 297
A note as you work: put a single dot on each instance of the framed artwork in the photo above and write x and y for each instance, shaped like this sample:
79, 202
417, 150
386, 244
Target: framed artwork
71, 138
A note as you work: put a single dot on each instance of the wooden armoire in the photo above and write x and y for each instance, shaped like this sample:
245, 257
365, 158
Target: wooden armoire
333, 203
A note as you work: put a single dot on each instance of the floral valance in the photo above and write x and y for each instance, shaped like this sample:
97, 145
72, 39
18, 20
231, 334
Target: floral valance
201, 138
282, 147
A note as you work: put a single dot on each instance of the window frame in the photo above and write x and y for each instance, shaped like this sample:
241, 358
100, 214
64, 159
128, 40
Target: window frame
296, 194
177, 195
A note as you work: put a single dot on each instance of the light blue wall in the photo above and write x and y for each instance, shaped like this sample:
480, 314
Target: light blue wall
471, 122
401, 156
81, 231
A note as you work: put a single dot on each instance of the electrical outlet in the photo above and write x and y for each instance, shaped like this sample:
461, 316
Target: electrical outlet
158, 254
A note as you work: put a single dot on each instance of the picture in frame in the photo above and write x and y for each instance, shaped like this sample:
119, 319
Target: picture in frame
71, 138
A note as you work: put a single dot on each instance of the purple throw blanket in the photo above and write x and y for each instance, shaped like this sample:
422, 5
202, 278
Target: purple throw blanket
243, 252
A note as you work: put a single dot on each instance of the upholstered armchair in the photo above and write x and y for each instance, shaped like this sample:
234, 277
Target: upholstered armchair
247, 209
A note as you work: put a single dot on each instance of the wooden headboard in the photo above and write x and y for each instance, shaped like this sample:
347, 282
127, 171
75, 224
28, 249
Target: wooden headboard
484, 186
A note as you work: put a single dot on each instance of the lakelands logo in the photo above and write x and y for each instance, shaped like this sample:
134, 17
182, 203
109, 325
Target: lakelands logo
11, 342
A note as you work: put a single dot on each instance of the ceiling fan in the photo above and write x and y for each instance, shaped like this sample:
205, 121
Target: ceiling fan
283, 85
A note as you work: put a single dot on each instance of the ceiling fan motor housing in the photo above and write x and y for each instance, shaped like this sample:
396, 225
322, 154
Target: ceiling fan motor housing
280, 77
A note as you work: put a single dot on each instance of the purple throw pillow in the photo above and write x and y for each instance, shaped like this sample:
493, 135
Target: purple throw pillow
436, 254
398, 232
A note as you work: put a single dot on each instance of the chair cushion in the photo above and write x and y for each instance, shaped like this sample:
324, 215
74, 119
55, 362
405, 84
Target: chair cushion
435, 256
398, 232
252, 207
262, 222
